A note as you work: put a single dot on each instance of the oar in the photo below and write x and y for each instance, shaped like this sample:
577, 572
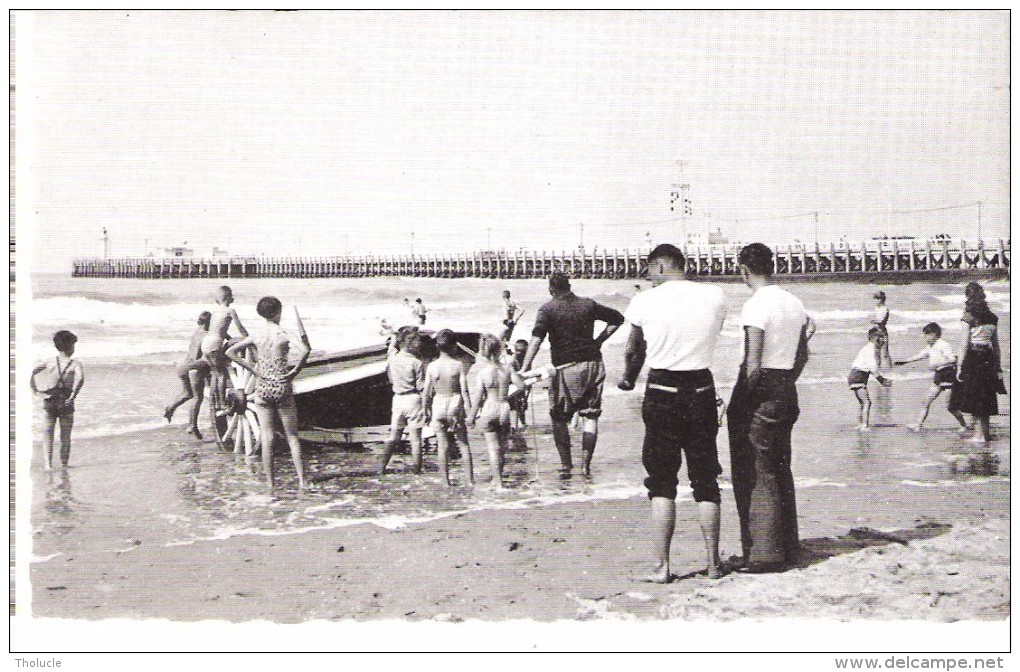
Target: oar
301, 326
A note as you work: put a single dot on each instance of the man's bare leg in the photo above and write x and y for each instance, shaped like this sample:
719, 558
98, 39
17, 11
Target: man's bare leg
708, 513
663, 523
589, 437
396, 431
561, 435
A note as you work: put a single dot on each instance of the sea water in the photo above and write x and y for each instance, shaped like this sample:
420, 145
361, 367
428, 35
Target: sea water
132, 476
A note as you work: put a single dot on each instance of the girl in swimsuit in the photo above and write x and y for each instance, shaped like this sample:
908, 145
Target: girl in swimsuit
493, 409
445, 398
212, 344
274, 396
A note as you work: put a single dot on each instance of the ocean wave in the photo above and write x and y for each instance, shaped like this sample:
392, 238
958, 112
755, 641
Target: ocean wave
601, 492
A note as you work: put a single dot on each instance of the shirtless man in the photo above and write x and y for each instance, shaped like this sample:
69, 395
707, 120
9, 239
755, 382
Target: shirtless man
445, 399
492, 398
212, 344
513, 316
192, 371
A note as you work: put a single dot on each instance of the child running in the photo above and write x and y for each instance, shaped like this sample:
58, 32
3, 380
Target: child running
407, 378
492, 403
942, 362
274, 395
192, 371
63, 379
866, 364
445, 399
212, 344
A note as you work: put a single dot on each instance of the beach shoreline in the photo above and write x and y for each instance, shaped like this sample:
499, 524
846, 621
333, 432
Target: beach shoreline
571, 561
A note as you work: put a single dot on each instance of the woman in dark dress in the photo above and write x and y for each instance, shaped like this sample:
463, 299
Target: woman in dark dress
978, 380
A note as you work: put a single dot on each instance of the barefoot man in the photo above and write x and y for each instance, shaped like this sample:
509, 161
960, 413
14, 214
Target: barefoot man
674, 328
576, 386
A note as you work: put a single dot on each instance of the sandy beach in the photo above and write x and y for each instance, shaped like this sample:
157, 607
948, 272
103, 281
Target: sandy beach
883, 549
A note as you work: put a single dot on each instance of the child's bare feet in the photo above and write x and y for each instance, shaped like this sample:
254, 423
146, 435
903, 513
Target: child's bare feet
863, 428
168, 414
914, 428
716, 571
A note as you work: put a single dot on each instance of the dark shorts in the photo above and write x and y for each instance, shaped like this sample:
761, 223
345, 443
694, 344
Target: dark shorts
577, 388
945, 377
679, 422
857, 379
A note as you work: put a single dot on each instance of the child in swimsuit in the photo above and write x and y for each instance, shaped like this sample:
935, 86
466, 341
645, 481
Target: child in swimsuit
66, 377
192, 371
493, 403
866, 364
942, 362
274, 396
212, 344
445, 398
519, 399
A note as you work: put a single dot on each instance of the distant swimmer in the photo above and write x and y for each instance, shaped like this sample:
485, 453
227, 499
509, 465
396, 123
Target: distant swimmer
446, 400
274, 393
419, 310
58, 382
576, 386
492, 403
213, 344
866, 364
192, 371
942, 362
880, 319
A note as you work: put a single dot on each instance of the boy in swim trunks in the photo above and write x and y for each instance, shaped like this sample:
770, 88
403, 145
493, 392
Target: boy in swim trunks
492, 397
519, 399
212, 344
445, 399
192, 371
67, 377
407, 377
866, 364
942, 362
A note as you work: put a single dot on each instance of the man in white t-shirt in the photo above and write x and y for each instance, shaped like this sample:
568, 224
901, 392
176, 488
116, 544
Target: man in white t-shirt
762, 412
674, 328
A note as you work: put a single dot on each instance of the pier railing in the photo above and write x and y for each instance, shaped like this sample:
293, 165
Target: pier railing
794, 260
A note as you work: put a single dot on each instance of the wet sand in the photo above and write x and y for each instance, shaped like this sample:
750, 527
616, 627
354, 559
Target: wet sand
885, 548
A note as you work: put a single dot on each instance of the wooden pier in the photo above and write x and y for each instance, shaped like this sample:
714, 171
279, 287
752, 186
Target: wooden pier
893, 257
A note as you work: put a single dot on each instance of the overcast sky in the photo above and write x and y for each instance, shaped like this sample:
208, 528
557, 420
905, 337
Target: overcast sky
319, 132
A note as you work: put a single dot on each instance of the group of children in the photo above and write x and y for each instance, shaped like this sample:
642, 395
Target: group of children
948, 373
429, 379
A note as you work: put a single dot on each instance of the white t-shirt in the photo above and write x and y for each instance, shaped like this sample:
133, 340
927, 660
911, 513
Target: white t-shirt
867, 359
681, 321
781, 316
940, 355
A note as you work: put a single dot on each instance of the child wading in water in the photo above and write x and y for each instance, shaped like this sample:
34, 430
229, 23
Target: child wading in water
866, 364
192, 371
58, 382
493, 406
212, 344
942, 362
445, 399
274, 395
407, 379
519, 399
